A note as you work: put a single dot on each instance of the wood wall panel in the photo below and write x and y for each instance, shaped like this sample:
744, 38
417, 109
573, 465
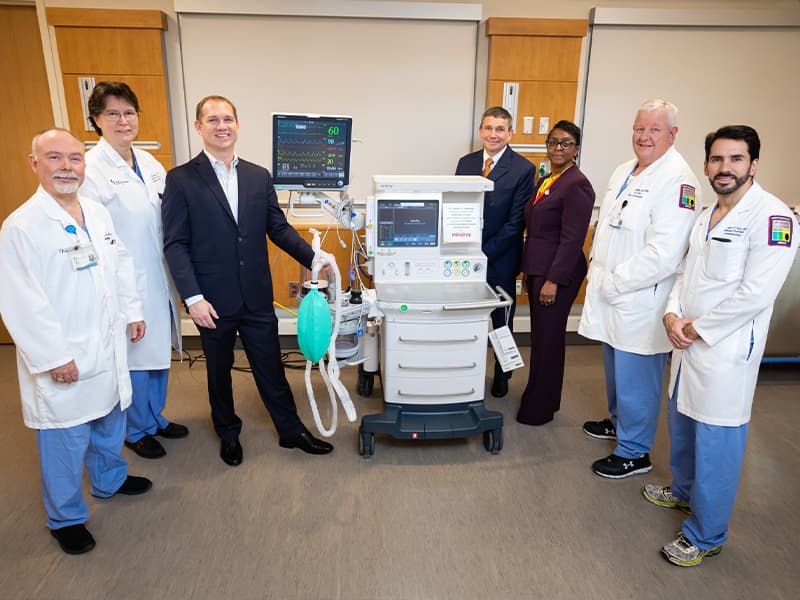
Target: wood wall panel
286, 269
26, 107
538, 27
116, 51
555, 100
153, 118
99, 17
516, 58
116, 45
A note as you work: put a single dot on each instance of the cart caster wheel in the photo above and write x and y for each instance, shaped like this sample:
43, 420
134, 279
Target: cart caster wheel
366, 383
493, 440
366, 444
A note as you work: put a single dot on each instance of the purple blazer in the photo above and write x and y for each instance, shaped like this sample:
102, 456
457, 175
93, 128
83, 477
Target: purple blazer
556, 228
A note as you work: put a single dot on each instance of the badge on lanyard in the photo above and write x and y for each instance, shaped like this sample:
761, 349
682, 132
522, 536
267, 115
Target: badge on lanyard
82, 256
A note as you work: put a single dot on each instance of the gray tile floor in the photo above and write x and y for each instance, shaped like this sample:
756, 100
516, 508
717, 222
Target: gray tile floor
426, 520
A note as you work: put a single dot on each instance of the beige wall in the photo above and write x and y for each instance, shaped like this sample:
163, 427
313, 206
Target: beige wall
572, 9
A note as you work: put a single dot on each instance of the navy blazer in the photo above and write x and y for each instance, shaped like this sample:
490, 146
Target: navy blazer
208, 253
557, 226
502, 210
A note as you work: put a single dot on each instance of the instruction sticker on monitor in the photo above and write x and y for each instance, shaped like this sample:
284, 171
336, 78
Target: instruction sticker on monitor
505, 348
461, 222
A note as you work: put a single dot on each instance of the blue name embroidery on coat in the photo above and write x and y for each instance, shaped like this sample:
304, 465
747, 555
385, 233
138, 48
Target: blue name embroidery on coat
780, 231
119, 181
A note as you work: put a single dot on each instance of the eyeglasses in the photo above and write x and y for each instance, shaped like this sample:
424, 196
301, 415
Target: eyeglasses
115, 115
565, 144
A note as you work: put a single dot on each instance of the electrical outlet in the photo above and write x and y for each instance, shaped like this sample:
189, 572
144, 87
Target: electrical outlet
294, 289
519, 287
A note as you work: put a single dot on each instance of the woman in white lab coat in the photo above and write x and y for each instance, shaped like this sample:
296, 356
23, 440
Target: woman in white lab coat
129, 182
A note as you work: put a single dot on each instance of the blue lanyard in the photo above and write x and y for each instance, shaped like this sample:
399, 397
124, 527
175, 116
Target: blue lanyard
136, 166
74, 230
625, 183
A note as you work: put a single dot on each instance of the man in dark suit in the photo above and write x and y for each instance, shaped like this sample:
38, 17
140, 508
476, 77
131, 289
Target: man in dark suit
502, 212
218, 211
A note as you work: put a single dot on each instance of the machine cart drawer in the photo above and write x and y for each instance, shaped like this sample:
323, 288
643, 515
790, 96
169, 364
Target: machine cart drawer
412, 390
439, 337
437, 363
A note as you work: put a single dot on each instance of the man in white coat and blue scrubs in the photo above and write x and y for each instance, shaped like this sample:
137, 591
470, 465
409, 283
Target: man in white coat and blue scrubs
129, 182
640, 239
68, 297
717, 318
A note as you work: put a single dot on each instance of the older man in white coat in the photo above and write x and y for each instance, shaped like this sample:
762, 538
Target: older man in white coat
67, 298
640, 239
717, 318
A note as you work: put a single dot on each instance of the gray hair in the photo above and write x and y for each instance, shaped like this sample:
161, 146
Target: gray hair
672, 110
35, 140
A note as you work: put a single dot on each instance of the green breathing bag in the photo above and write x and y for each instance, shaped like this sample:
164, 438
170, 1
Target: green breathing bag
314, 326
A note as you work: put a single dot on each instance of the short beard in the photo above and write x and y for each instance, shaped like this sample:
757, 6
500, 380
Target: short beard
67, 188
724, 191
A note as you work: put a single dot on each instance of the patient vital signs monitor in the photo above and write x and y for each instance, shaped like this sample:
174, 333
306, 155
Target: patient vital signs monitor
311, 152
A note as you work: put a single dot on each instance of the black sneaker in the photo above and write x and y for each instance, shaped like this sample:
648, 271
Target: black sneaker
616, 467
147, 447
602, 430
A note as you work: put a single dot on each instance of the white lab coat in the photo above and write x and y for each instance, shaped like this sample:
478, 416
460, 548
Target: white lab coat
56, 314
728, 288
135, 207
636, 251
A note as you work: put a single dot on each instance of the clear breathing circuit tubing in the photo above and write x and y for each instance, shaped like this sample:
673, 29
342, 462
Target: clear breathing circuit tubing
330, 372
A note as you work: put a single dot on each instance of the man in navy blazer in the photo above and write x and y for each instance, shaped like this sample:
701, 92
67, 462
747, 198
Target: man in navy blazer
217, 212
502, 212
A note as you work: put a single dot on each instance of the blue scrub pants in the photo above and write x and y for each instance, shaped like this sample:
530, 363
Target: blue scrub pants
149, 398
706, 462
62, 454
633, 386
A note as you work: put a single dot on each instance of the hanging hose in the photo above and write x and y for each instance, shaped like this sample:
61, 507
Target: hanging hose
311, 324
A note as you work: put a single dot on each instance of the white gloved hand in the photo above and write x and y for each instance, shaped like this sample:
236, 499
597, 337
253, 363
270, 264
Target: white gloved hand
322, 258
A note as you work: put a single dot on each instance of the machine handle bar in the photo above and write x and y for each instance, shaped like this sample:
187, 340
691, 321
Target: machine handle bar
506, 301
413, 368
471, 391
474, 338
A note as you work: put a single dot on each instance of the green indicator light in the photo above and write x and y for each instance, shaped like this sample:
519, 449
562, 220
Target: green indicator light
403, 307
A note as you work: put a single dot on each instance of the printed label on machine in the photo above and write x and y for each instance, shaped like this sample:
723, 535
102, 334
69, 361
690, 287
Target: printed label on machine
461, 222
505, 348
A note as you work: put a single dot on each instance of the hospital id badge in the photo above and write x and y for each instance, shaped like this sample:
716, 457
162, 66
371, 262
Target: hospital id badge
83, 257
505, 348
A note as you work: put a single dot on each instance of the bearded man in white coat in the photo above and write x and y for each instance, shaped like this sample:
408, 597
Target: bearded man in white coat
717, 318
639, 241
67, 299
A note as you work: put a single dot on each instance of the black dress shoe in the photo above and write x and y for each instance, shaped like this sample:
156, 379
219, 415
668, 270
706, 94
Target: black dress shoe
307, 443
133, 486
74, 539
231, 452
147, 447
173, 431
499, 387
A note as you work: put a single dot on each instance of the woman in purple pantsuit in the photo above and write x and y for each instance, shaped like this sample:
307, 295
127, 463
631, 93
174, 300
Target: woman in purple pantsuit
556, 219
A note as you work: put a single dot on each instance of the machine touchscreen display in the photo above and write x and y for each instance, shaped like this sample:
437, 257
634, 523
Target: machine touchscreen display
408, 223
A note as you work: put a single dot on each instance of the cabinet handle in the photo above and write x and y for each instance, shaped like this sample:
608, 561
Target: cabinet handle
421, 368
474, 338
451, 394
